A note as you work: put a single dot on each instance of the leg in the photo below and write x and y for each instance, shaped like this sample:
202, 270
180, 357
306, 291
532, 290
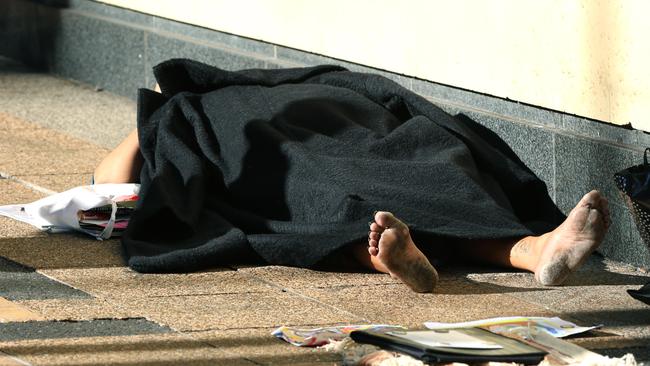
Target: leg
552, 256
123, 164
555, 255
390, 249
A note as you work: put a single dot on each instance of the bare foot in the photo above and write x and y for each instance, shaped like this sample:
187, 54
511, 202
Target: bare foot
564, 249
390, 241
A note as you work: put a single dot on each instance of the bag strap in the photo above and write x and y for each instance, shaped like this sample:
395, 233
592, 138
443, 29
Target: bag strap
108, 230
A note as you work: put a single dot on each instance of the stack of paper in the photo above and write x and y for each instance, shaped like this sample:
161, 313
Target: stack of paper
95, 220
554, 326
100, 210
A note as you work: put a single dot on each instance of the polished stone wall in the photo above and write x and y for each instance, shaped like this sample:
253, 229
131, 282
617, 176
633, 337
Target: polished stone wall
114, 49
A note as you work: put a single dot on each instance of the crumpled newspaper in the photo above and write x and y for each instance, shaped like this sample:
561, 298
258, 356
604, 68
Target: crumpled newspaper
554, 326
315, 337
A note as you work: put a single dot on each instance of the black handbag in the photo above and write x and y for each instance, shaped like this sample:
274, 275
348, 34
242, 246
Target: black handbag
634, 185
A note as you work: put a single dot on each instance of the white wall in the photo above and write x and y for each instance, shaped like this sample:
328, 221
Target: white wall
586, 57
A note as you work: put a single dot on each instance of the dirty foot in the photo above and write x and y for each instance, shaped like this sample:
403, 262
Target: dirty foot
390, 241
564, 249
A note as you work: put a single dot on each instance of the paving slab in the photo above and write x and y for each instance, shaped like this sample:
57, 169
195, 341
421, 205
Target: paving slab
12, 331
397, 304
31, 137
596, 294
13, 312
9, 122
73, 108
38, 139
21, 283
12, 192
587, 303
7, 360
38, 151
57, 182
76, 309
260, 346
625, 321
150, 349
596, 271
24, 137
612, 307
10, 228
122, 282
297, 278
51, 162
62, 251
525, 287
239, 310
602, 340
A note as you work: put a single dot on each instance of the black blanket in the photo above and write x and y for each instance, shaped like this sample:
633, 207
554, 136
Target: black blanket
289, 165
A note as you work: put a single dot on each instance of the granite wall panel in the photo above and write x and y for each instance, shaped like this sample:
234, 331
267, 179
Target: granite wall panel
160, 48
225, 40
584, 164
99, 52
532, 144
93, 8
484, 103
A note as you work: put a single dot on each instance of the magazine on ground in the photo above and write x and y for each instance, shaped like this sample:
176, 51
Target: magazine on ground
467, 345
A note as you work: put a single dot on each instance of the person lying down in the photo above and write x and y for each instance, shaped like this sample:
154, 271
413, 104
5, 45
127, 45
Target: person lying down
311, 166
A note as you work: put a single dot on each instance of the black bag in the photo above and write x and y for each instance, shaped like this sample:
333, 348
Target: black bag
634, 185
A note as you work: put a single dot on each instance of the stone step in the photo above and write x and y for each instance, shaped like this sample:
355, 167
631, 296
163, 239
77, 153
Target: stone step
76, 109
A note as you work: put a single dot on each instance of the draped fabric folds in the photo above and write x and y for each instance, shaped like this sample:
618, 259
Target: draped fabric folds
289, 165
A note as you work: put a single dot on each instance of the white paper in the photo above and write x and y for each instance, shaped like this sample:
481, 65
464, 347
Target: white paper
312, 337
59, 212
554, 326
447, 338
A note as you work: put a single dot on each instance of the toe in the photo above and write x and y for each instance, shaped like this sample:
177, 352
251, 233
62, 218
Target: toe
590, 199
373, 243
384, 218
604, 202
373, 251
387, 220
374, 227
374, 236
605, 219
604, 206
